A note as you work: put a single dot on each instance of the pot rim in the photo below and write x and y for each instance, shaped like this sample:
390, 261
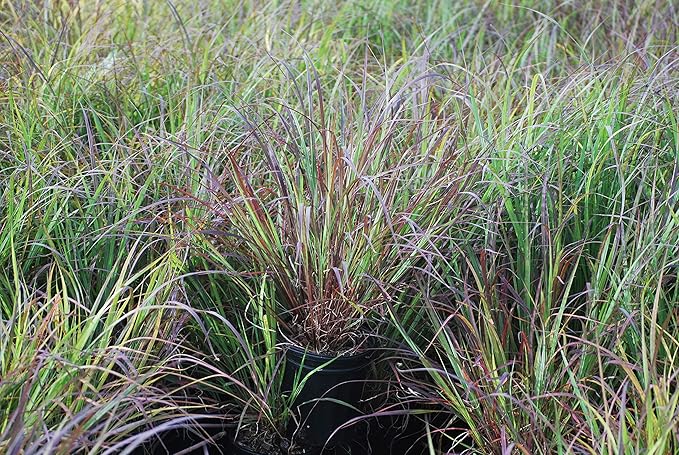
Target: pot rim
368, 345
307, 359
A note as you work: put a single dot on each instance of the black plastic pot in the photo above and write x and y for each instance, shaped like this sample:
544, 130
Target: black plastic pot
243, 448
237, 449
332, 378
187, 440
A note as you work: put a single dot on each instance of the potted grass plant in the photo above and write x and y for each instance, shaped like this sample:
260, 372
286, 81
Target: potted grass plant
338, 209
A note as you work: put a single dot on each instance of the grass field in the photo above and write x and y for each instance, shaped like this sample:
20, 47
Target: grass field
490, 189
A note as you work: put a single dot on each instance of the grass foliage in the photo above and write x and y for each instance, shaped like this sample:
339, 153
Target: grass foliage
490, 187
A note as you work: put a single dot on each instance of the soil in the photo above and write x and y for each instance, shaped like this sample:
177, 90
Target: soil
260, 440
353, 342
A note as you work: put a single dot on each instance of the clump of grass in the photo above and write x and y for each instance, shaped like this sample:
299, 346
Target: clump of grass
535, 335
243, 372
90, 320
86, 376
339, 207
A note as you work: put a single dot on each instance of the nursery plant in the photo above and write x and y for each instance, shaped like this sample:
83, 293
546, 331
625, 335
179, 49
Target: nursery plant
324, 216
85, 361
539, 339
336, 208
